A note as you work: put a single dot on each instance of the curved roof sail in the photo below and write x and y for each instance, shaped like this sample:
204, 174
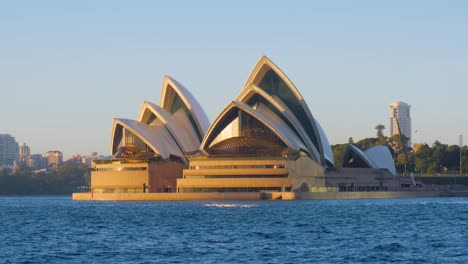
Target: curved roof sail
353, 157
240, 126
382, 158
272, 80
184, 135
175, 97
137, 134
253, 95
328, 153
377, 157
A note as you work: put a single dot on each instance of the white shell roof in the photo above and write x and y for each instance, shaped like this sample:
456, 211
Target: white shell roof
156, 137
382, 158
252, 90
274, 123
190, 102
328, 153
352, 148
185, 136
263, 65
375, 157
182, 120
269, 116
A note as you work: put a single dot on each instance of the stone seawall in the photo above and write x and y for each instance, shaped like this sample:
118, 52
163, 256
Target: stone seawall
245, 196
364, 195
165, 196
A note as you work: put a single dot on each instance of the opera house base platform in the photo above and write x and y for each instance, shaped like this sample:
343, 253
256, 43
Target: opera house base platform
349, 183
236, 196
207, 196
252, 196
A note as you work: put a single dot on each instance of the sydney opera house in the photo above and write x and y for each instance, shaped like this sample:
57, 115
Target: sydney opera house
265, 140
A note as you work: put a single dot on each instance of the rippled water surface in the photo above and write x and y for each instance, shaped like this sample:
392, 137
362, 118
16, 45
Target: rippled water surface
58, 230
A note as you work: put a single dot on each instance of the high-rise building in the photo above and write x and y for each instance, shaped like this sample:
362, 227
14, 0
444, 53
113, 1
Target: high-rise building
36, 162
8, 150
24, 152
89, 159
54, 158
400, 111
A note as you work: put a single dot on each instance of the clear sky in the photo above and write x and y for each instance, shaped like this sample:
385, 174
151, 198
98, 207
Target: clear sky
67, 68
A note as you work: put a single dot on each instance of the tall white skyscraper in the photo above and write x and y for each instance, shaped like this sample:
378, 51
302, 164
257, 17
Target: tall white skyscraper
400, 111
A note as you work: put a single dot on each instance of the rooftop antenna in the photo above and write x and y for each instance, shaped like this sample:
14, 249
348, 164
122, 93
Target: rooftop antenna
406, 154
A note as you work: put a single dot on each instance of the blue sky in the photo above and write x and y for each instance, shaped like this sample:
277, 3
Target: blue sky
68, 68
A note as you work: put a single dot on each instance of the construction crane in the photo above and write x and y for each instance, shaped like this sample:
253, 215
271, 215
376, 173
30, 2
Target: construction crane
408, 165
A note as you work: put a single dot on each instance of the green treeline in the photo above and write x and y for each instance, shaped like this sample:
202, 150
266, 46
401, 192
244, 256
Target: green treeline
425, 159
67, 179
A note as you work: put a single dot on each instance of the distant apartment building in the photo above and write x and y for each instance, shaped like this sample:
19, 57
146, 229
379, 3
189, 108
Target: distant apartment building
54, 159
89, 159
400, 111
24, 152
8, 150
75, 159
33, 161
36, 162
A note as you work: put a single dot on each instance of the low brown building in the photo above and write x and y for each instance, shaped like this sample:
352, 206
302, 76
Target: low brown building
123, 175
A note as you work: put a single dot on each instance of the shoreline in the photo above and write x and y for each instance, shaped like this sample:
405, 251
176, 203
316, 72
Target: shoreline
241, 196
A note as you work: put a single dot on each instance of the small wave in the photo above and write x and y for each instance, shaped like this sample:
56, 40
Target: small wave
454, 202
222, 205
389, 246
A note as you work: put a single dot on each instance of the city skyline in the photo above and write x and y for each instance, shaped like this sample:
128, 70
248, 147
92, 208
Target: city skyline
68, 69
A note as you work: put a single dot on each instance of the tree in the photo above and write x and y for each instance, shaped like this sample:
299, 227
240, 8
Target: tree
433, 168
434, 159
367, 143
395, 142
5, 171
65, 180
423, 158
465, 165
338, 152
380, 128
452, 158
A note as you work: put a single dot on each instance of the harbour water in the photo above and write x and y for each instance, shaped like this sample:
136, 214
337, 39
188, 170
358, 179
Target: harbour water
59, 230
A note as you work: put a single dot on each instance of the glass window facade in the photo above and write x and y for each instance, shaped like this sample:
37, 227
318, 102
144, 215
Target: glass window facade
151, 119
257, 99
241, 133
118, 135
273, 84
355, 161
131, 140
131, 146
